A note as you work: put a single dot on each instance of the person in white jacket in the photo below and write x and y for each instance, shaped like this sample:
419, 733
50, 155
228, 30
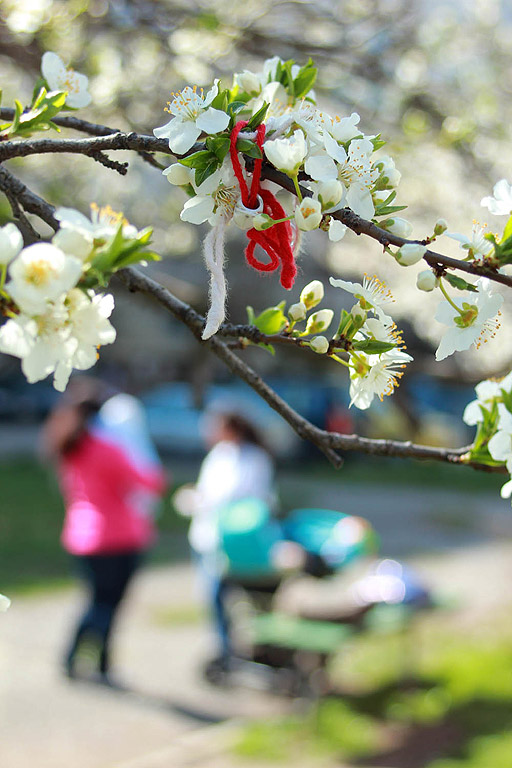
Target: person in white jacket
238, 466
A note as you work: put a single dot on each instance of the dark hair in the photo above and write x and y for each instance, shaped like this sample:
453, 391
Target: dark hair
66, 424
243, 428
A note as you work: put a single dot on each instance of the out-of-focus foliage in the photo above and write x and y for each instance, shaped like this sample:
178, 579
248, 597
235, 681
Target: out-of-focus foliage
432, 77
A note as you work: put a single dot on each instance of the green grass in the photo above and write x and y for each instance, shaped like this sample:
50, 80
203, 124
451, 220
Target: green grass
400, 689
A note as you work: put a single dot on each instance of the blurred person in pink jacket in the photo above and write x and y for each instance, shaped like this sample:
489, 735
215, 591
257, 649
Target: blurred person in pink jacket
111, 481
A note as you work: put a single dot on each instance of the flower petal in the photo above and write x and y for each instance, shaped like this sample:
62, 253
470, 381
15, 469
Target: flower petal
212, 121
197, 210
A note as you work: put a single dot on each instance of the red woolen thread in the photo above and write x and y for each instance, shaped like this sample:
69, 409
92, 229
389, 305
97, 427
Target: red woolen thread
275, 241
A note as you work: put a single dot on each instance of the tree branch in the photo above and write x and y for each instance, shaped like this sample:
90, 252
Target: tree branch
143, 143
327, 442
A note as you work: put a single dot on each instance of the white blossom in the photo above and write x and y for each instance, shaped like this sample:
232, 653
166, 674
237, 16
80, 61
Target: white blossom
473, 323
41, 273
179, 174
192, 115
389, 170
287, 154
60, 78
372, 294
100, 228
353, 169
476, 244
308, 214
501, 203
372, 375
336, 230
215, 198
486, 392
11, 243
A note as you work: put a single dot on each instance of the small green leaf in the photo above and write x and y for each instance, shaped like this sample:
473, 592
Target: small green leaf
221, 100
250, 315
249, 148
271, 320
204, 173
199, 159
389, 209
372, 346
460, 283
219, 145
377, 142
258, 117
305, 79
235, 107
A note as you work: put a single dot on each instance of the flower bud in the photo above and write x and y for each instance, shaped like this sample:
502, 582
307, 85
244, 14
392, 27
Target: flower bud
308, 214
410, 253
297, 312
248, 81
441, 226
358, 313
312, 294
330, 193
319, 321
398, 226
262, 221
179, 174
319, 344
389, 171
427, 281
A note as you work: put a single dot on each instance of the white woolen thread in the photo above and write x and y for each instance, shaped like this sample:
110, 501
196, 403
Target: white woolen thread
214, 259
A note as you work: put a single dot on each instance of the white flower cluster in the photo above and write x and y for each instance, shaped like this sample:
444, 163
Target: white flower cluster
491, 413
62, 78
55, 323
333, 155
367, 337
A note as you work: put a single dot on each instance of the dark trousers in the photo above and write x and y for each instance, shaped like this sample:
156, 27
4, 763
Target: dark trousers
107, 577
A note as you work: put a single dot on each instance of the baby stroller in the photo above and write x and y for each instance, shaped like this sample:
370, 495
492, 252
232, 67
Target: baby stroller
282, 641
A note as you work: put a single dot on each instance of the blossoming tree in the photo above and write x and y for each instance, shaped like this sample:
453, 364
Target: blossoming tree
259, 155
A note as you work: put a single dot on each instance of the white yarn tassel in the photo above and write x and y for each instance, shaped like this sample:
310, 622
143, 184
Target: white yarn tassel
214, 259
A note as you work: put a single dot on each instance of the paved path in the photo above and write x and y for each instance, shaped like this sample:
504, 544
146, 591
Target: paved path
49, 722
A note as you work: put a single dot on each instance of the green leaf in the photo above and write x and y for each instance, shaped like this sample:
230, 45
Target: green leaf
199, 159
267, 347
377, 142
507, 232
460, 283
249, 148
235, 106
221, 100
258, 117
204, 173
372, 346
271, 320
305, 79
219, 145
388, 209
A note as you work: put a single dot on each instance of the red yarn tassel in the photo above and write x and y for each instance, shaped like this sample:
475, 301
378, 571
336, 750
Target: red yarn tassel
275, 241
